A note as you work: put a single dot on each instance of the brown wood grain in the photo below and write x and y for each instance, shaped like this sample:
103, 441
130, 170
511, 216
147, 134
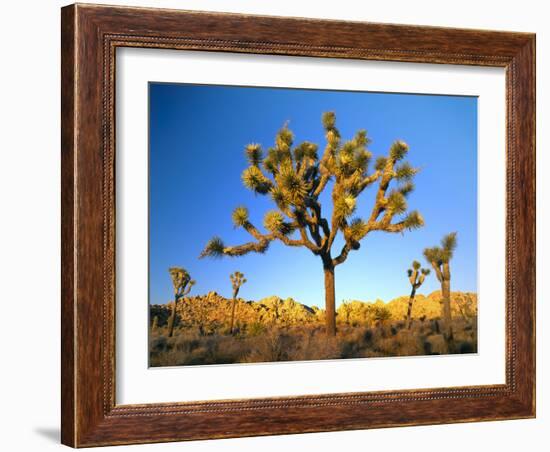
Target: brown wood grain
67, 225
90, 36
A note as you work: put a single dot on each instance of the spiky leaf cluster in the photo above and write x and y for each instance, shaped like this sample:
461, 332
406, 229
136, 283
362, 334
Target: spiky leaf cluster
380, 163
292, 186
274, 222
440, 256
181, 280
413, 220
448, 243
237, 280
398, 150
356, 230
179, 276
254, 154
417, 275
305, 151
254, 180
344, 206
405, 171
397, 203
444, 253
240, 216
214, 248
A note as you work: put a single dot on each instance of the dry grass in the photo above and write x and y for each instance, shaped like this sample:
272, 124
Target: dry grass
260, 343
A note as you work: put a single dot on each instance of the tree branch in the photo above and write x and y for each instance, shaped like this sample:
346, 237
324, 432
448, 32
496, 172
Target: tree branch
251, 229
305, 241
369, 180
396, 227
315, 205
446, 273
348, 246
325, 177
292, 242
313, 228
216, 247
437, 269
412, 278
240, 250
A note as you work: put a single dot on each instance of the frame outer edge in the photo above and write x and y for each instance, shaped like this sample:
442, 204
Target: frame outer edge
86, 420
68, 242
525, 201
533, 120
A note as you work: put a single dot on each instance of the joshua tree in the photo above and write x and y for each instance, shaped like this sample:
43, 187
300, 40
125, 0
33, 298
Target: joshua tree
295, 178
439, 258
237, 280
182, 283
417, 276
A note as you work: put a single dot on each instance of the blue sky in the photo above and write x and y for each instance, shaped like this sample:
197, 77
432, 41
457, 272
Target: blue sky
197, 139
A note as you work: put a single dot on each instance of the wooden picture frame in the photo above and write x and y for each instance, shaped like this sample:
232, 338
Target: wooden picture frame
90, 36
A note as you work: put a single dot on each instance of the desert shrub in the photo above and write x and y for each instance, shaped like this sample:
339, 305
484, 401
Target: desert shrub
436, 345
466, 347
255, 329
434, 324
349, 349
185, 341
158, 343
381, 313
368, 335
387, 346
268, 347
408, 344
315, 346
384, 329
223, 350
351, 342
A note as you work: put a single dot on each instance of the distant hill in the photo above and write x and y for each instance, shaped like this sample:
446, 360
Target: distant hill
462, 304
212, 310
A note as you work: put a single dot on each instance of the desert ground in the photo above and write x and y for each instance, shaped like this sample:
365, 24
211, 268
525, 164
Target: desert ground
273, 329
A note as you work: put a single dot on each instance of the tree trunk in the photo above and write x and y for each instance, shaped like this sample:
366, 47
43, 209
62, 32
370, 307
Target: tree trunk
172, 320
233, 311
330, 304
446, 309
409, 309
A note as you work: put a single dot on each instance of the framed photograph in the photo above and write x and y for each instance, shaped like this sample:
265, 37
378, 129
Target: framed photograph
281, 225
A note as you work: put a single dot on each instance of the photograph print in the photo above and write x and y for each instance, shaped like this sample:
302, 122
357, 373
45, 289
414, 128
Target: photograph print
297, 224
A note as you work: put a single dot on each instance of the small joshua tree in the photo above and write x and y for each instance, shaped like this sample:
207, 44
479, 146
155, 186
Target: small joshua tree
439, 258
295, 178
155, 323
417, 276
237, 280
182, 282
